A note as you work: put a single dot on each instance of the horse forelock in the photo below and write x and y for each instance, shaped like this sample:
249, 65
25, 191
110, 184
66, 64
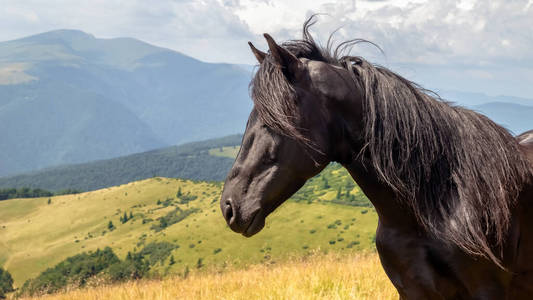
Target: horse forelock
459, 172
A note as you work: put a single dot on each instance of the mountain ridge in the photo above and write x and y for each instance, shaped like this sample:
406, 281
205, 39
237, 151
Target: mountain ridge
152, 97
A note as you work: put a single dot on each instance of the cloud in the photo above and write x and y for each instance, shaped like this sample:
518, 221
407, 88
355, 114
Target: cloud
488, 38
466, 44
198, 28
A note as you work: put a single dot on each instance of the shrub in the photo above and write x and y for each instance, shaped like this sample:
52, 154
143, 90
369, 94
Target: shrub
184, 199
133, 267
173, 217
6, 283
200, 263
352, 243
157, 251
74, 270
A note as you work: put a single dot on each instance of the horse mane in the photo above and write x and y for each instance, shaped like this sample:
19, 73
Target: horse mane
458, 171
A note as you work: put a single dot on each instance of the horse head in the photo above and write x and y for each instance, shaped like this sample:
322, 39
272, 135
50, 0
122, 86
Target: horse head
290, 135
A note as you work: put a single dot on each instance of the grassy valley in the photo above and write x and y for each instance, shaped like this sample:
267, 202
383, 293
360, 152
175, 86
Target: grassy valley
38, 233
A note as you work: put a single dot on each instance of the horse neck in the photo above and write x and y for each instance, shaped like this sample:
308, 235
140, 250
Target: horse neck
389, 209
346, 132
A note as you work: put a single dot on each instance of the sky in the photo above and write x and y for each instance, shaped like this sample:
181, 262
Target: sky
468, 45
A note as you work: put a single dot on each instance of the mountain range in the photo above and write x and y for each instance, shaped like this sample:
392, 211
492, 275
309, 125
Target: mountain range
196, 160
68, 97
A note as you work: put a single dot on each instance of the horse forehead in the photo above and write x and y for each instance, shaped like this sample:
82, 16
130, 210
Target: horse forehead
318, 69
330, 80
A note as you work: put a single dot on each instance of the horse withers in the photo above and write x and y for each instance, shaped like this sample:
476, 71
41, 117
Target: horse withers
453, 190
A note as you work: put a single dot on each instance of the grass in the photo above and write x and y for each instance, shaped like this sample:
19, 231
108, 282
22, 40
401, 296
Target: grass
318, 245
318, 276
35, 235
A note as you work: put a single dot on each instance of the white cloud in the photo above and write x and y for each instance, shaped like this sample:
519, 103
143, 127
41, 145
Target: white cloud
478, 35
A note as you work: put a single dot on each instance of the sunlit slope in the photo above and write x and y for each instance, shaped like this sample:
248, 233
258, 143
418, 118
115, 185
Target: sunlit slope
35, 235
324, 277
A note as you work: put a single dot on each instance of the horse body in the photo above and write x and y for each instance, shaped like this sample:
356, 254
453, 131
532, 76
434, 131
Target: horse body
423, 267
526, 143
453, 191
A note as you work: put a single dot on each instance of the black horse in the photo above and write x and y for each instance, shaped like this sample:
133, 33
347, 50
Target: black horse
453, 190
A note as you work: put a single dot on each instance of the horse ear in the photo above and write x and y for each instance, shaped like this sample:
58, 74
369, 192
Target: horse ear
260, 55
290, 64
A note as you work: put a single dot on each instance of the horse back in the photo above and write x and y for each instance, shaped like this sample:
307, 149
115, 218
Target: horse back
525, 140
522, 284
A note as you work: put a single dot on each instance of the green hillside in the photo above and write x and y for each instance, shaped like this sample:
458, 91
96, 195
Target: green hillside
196, 161
36, 234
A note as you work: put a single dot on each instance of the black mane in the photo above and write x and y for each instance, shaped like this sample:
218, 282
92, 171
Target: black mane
458, 171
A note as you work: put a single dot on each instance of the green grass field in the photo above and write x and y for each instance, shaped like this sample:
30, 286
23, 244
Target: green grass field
35, 235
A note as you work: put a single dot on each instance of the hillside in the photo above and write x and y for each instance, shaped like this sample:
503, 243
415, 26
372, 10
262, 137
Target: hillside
68, 97
196, 161
329, 214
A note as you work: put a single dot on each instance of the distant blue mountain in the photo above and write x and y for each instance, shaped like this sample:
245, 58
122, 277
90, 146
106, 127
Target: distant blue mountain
470, 99
68, 97
513, 113
515, 117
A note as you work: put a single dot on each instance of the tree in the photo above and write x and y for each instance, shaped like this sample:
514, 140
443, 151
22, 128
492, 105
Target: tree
325, 183
179, 194
200, 263
49, 201
172, 261
186, 272
110, 226
339, 193
6, 283
124, 218
131, 215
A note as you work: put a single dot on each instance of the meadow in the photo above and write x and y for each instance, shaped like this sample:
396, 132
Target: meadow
329, 215
315, 276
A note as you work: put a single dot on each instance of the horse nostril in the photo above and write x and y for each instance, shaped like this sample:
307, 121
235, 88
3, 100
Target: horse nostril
228, 211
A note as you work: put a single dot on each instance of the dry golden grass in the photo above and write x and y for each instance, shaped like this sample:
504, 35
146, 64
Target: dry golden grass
330, 276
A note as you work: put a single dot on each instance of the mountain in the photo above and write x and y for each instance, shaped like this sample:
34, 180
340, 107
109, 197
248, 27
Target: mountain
68, 97
204, 160
515, 117
196, 161
471, 99
513, 113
